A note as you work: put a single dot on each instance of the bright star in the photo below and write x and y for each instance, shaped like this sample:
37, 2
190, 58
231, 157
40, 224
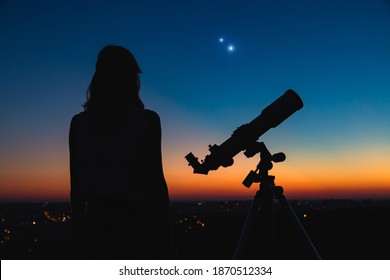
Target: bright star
221, 40
230, 48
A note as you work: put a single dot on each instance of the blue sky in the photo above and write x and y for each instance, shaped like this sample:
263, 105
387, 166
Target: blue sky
335, 54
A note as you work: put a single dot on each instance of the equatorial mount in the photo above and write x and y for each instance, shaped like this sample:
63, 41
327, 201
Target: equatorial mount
260, 174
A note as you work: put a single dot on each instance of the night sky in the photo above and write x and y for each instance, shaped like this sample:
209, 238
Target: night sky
334, 54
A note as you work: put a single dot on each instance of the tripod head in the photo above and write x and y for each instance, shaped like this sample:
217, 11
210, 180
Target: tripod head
264, 165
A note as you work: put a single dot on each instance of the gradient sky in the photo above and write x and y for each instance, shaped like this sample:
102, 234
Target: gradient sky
335, 54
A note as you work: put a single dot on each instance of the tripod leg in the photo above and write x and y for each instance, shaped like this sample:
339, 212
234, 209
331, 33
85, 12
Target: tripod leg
290, 212
257, 237
250, 223
265, 245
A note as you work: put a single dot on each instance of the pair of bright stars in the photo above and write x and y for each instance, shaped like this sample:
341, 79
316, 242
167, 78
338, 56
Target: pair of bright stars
230, 47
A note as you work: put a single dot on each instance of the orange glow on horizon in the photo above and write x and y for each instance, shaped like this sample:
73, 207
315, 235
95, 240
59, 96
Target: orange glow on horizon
356, 173
340, 174
204, 189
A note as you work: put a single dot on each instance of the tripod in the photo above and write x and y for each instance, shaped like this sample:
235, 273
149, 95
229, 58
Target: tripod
257, 237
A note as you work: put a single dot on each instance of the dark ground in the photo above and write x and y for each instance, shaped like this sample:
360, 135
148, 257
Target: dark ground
340, 229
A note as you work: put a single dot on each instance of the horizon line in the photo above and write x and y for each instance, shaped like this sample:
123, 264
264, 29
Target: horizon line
203, 200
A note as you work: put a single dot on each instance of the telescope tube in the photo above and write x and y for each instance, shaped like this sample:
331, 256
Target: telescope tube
245, 136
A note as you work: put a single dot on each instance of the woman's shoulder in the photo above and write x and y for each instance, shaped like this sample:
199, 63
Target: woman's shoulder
76, 118
79, 118
153, 121
152, 115
141, 115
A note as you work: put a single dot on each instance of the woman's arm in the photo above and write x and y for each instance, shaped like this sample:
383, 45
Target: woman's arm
158, 183
77, 203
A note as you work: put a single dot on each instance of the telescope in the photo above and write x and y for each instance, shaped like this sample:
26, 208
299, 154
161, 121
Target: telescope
245, 137
257, 236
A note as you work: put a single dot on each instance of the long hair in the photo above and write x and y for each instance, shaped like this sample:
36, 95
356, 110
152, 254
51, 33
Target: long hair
115, 83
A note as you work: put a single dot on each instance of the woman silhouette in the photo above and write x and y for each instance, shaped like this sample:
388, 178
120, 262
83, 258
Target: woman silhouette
119, 196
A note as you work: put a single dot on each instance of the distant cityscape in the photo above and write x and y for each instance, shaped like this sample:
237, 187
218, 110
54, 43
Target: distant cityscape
340, 229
